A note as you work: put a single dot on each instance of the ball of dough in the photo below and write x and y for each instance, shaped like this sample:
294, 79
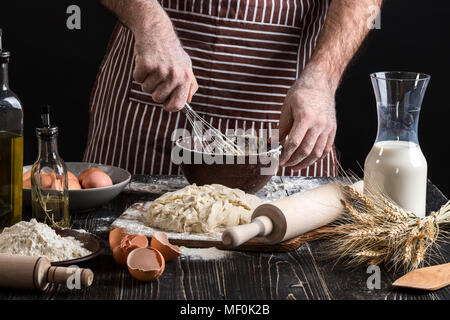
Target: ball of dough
204, 209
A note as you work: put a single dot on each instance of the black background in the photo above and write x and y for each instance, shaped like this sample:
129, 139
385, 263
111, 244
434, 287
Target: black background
51, 64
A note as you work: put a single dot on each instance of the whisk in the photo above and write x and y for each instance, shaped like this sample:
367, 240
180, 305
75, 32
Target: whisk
219, 142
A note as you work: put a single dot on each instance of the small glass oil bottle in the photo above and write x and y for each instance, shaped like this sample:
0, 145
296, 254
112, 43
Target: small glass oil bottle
11, 148
50, 196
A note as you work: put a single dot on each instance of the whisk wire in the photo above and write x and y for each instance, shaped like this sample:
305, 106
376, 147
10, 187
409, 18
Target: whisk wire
219, 142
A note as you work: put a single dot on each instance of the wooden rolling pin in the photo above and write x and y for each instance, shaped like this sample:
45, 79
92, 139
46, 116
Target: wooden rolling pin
36, 273
290, 217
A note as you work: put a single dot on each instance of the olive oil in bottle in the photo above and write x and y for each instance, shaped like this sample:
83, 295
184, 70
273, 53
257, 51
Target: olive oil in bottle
11, 148
49, 184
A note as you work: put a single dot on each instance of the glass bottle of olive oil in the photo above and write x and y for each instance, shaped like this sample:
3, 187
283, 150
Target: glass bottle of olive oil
49, 182
11, 148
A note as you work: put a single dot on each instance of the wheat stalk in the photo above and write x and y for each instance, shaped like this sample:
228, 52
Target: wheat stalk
375, 230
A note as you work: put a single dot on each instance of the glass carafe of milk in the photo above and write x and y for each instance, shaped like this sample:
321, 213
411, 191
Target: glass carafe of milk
396, 165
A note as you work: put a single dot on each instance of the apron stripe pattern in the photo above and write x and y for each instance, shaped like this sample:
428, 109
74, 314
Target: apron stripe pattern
246, 54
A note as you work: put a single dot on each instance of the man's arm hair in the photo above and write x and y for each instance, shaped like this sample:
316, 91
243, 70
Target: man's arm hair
137, 15
343, 33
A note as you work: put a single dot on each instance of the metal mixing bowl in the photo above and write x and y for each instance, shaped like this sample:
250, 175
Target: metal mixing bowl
241, 174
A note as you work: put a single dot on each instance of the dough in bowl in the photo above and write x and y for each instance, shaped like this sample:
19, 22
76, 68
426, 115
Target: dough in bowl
204, 209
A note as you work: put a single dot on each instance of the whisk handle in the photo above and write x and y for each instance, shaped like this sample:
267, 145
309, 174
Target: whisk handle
187, 108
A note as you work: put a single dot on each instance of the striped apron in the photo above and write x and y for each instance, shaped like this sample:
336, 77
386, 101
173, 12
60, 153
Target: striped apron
246, 54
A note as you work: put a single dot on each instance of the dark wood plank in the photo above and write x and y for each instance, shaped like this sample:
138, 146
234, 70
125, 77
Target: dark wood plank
301, 274
345, 283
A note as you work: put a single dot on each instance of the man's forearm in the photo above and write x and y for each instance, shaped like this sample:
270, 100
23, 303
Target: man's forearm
139, 15
161, 65
342, 35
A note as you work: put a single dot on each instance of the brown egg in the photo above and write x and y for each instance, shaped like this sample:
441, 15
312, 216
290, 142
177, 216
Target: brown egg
26, 175
146, 264
47, 180
73, 184
161, 243
86, 172
26, 180
71, 176
27, 183
96, 179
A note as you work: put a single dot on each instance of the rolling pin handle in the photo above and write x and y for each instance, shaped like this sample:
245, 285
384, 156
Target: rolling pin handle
235, 236
60, 275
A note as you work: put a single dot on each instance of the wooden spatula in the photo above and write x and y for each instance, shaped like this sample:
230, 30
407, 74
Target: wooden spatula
429, 278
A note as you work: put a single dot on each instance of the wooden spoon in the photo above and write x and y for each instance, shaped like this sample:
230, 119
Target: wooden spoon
429, 278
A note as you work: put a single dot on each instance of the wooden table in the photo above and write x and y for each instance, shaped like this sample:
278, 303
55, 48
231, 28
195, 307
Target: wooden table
300, 274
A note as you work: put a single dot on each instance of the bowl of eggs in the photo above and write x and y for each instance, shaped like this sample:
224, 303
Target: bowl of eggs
90, 185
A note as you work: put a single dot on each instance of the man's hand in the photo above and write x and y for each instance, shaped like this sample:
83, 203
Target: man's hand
307, 122
162, 67
308, 117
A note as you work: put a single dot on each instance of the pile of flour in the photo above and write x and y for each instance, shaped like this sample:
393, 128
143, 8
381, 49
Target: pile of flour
38, 239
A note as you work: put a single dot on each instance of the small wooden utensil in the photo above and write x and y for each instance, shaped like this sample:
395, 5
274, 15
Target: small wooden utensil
36, 273
429, 278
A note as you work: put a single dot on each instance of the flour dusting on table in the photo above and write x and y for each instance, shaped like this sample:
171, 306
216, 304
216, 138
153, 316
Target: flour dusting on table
204, 253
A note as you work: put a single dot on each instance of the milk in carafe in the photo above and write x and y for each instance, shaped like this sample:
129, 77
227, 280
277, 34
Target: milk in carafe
396, 166
399, 169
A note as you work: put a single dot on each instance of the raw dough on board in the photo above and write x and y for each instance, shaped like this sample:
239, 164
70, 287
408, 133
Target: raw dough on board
204, 209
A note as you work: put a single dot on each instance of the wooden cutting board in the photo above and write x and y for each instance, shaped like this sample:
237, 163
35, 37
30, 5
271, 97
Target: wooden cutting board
131, 220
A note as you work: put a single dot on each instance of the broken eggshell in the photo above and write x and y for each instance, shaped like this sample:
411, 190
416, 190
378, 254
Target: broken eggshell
145, 264
122, 244
160, 241
128, 244
133, 241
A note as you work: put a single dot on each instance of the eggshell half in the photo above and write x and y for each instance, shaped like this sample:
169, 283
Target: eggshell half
96, 179
161, 243
140, 241
146, 264
131, 242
